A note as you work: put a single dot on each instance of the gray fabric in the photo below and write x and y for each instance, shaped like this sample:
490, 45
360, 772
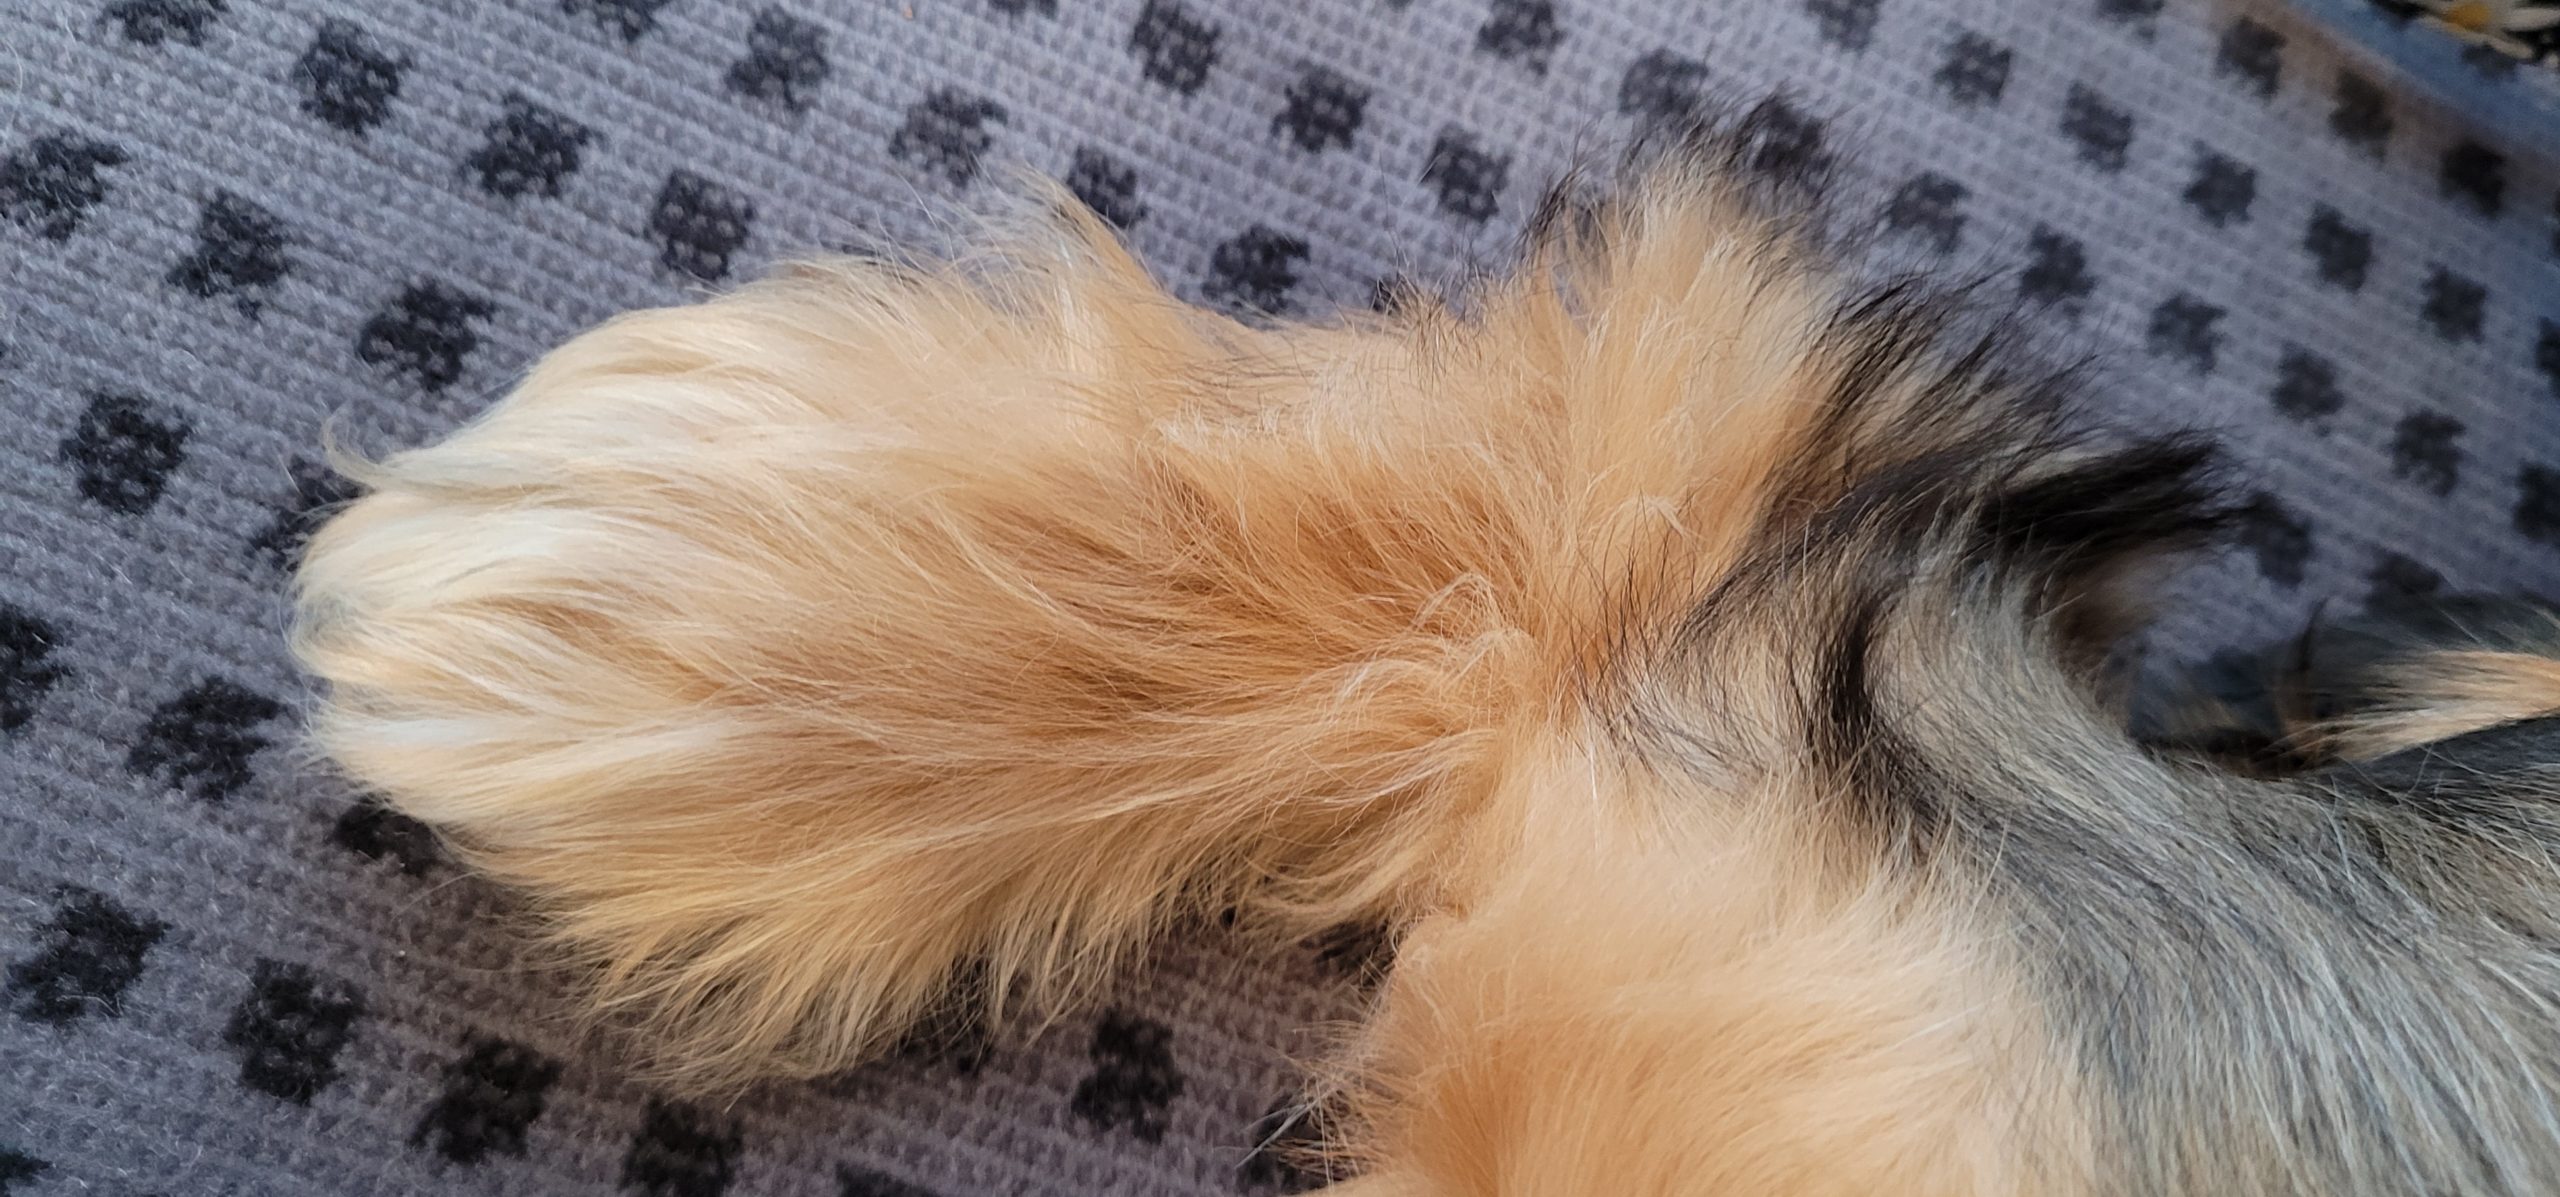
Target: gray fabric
223, 220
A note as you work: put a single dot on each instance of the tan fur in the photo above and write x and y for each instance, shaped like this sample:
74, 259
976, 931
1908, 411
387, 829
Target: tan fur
1706, 1001
805, 651
2440, 695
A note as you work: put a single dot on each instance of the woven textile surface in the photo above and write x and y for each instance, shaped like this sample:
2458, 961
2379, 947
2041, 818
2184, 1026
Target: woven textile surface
224, 223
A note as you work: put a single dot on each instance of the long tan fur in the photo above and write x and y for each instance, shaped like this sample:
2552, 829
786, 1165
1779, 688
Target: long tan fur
1695, 658
807, 647
807, 651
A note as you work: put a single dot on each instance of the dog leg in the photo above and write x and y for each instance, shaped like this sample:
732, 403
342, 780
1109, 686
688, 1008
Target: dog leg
807, 650
2358, 689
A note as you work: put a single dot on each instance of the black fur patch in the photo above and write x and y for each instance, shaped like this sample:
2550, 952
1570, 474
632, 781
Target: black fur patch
2147, 497
1945, 469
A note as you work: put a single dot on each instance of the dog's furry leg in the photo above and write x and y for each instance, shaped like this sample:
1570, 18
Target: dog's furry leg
2406, 674
868, 629
815, 648
2421, 672
807, 650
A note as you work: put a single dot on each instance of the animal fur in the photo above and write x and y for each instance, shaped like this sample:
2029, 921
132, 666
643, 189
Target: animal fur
1697, 657
2412, 672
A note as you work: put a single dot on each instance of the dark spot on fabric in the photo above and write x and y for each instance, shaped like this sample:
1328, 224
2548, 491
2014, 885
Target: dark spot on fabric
289, 1029
1467, 178
346, 80
87, 955
1323, 110
528, 150
202, 741
1134, 1079
2340, 252
1662, 85
1975, 70
2361, 113
239, 254
2476, 175
492, 1095
948, 133
2253, 54
1521, 31
786, 61
2306, 386
1106, 185
376, 832
49, 184
426, 334
2188, 329
123, 451
629, 19
2057, 270
699, 225
29, 669
2222, 189
682, 1151
2454, 305
2277, 537
2101, 133
2425, 452
152, 22
1255, 270
1173, 47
